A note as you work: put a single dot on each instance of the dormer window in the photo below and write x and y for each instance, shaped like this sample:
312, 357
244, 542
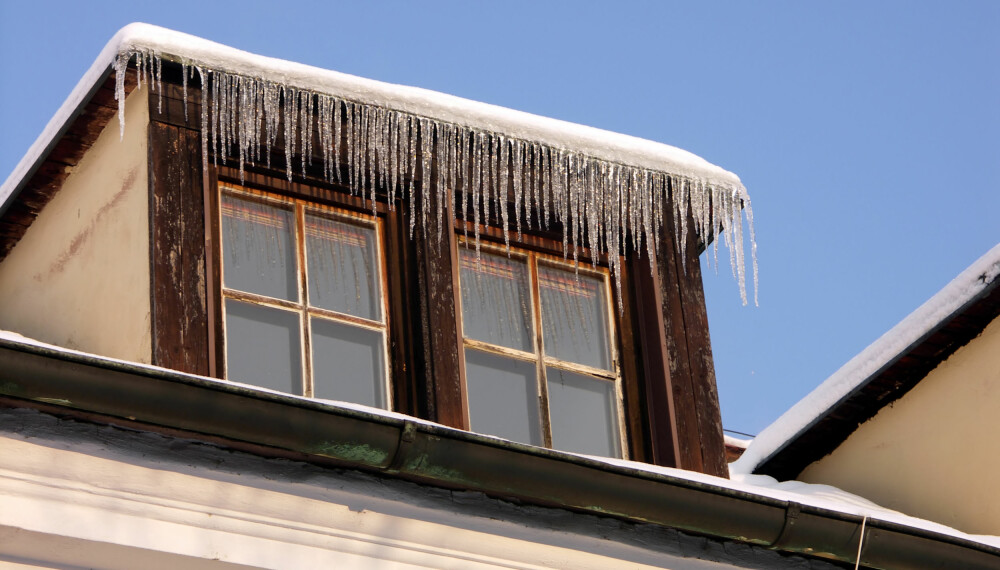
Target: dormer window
539, 362
304, 300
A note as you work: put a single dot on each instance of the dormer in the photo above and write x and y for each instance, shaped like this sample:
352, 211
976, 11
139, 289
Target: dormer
307, 232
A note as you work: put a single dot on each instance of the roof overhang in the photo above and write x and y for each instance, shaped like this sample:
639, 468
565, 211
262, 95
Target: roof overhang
101, 390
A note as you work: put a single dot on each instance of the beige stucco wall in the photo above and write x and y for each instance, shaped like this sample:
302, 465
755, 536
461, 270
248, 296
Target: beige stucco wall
935, 453
79, 277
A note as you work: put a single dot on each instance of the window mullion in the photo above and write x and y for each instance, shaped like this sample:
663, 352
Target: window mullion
543, 389
306, 336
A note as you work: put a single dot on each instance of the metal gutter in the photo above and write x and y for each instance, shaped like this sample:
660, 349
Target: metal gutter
83, 385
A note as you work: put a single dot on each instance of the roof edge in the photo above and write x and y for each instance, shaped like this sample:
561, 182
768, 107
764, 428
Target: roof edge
146, 397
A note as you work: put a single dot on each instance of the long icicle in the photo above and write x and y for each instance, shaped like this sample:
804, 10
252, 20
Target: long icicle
607, 207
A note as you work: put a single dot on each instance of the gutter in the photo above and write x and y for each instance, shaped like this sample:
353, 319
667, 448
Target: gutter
155, 399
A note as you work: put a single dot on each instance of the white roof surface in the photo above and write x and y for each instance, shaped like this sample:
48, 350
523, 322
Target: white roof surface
822, 496
881, 352
193, 50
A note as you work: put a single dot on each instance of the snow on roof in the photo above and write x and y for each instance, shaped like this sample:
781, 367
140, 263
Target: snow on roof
859, 369
193, 51
821, 496
736, 441
616, 186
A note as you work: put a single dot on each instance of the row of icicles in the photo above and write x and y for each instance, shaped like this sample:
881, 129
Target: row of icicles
600, 205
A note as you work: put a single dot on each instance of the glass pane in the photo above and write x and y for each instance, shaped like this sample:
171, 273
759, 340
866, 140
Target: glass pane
574, 317
503, 396
262, 347
348, 363
258, 250
583, 413
342, 264
496, 304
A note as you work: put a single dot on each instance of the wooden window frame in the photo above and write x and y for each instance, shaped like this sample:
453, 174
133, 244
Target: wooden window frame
307, 312
533, 258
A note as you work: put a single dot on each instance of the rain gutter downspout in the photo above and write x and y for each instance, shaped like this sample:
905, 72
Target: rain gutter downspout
109, 391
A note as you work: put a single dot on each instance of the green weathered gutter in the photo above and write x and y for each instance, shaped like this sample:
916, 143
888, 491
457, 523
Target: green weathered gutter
157, 399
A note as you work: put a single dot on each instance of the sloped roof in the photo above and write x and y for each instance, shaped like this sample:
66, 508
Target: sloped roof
879, 375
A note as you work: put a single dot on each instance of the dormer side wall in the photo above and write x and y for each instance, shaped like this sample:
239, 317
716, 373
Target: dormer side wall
79, 277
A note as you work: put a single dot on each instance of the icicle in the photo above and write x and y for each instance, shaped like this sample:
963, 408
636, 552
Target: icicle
204, 120
466, 181
411, 158
518, 184
159, 83
338, 141
426, 159
121, 67
184, 88
477, 186
306, 128
606, 207
440, 150
291, 118
501, 191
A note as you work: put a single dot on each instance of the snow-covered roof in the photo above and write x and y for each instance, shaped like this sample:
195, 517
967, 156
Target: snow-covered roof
821, 496
845, 381
197, 51
588, 164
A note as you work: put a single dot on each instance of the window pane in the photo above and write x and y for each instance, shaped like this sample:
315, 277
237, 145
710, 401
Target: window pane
342, 264
574, 317
348, 363
258, 248
262, 347
582, 413
503, 396
496, 304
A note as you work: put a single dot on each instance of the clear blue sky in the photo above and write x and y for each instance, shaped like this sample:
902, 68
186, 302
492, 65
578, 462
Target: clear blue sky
866, 132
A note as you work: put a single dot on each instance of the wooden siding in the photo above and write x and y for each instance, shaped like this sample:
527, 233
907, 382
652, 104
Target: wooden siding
180, 321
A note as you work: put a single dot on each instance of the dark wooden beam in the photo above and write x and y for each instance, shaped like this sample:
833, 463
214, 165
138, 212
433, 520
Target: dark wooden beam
657, 381
441, 328
178, 270
684, 393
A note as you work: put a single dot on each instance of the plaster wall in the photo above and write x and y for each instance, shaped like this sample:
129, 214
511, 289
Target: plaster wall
79, 277
75, 494
933, 453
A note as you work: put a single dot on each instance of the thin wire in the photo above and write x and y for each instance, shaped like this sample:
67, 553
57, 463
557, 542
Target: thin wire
861, 541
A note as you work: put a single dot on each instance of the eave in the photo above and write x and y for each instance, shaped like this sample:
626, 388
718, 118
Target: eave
270, 424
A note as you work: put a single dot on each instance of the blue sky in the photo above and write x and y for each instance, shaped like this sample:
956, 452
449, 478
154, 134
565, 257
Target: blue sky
866, 132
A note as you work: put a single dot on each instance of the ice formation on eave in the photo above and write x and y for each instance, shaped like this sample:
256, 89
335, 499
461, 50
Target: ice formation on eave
859, 369
606, 190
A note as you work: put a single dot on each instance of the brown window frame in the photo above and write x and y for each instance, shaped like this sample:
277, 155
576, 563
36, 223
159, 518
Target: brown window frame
303, 306
534, 258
